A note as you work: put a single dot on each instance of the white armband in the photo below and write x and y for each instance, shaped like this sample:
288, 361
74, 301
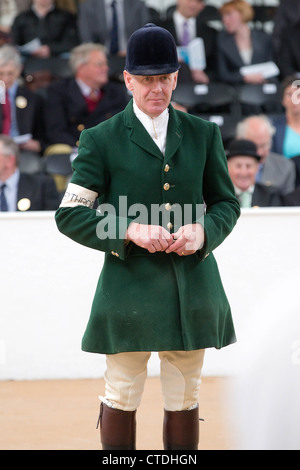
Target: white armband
76, 195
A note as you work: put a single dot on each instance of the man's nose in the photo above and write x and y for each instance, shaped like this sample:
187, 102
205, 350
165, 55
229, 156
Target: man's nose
157, 86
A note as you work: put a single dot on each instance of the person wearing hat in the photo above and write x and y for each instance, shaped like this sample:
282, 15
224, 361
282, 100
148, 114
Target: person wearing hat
243, 166
150, 167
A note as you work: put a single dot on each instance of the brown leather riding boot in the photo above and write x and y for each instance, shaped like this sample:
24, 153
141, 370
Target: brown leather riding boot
117, 428
181, 430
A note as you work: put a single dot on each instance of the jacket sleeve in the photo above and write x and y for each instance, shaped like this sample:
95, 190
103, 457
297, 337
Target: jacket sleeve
76, 216
222, 206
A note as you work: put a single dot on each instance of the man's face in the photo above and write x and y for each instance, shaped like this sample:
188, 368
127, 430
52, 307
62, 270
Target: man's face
232, 20
242, 171
9, 73
7, 162
190, 8
152, 94
95, 71
43, 3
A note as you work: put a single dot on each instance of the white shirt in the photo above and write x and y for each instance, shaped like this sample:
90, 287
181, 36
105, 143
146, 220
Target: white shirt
179, 21
246, 55
157, 127
85, 89
245, 197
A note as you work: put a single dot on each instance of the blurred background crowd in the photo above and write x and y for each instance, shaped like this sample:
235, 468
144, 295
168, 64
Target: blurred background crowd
61, 65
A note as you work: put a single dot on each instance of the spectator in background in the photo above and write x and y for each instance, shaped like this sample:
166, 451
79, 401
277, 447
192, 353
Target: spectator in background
83, 101
9, 9
243, 165
54, 31
286, 140
22, 192
274, 169
288, 58
186, 24
98, 24
288, 13
21, 116
239, 45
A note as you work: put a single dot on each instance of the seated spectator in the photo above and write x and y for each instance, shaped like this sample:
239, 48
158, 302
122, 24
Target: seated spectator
186, 24
22, 192
21, 116
44, 31
288, 59
111, 23
286, 140
9, 9
274, 169
82, 101
288, 13
243, 165
238, 45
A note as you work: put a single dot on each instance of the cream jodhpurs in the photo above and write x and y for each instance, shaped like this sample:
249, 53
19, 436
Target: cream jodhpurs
180, 373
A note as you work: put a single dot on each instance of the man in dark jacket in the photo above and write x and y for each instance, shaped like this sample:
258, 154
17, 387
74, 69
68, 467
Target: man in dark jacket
23, 192
81, 102
97, 23
188, 15
243, 165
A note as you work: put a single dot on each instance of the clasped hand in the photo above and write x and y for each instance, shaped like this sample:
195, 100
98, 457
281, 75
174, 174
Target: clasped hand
186, 241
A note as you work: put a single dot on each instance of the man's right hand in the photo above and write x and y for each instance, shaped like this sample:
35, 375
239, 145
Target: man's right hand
151, 237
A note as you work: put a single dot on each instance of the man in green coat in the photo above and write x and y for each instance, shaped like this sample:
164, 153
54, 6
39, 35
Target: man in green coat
166, 202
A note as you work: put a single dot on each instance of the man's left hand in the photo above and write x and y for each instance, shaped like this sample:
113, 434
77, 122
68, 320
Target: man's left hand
189, 239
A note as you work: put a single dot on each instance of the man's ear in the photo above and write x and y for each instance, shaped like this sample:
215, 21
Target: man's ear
175, 80
128, 80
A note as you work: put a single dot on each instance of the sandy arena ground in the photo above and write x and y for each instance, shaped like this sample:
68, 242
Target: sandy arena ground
62, 415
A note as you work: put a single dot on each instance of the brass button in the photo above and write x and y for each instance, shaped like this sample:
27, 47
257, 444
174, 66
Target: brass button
168, 206
167, 168
169, 225
80, 127
166, 186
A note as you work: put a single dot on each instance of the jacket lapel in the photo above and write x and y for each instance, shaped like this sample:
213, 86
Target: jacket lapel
138, 133
174, 136
140, 136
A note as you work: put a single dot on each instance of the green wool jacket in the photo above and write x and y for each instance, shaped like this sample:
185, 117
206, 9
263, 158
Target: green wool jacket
143, 301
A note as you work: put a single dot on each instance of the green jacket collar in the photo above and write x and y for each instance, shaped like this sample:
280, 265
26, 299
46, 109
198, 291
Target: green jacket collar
140, 136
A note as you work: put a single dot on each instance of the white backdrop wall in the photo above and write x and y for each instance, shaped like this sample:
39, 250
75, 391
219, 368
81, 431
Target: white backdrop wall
47, 284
